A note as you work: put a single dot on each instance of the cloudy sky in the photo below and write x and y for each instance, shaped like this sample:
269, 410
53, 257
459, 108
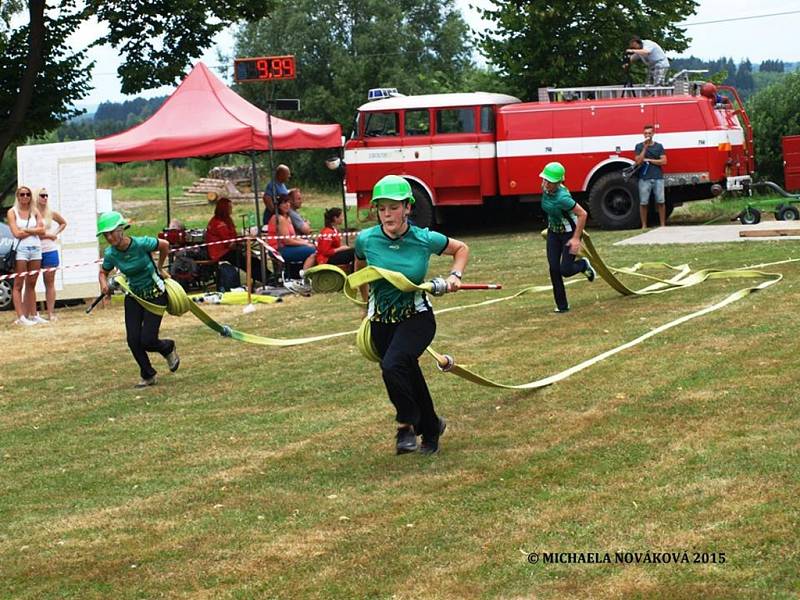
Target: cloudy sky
737, 28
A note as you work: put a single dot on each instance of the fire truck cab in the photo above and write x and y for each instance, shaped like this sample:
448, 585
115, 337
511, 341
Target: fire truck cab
480, 148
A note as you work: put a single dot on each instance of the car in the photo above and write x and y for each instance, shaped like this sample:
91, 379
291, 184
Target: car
6, 243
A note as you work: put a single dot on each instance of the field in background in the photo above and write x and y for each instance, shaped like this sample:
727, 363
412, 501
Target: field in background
255, 472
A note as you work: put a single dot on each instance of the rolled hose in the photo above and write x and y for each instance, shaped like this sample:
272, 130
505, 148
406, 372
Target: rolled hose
326, 279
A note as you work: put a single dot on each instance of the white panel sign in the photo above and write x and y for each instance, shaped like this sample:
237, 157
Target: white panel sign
67, 170
104, 203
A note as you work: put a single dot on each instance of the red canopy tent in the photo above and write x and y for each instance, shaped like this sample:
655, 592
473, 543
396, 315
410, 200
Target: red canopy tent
204, 117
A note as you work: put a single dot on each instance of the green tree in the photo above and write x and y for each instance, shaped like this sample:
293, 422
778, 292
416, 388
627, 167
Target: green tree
533, 43
344, 47
774, 113
41, 77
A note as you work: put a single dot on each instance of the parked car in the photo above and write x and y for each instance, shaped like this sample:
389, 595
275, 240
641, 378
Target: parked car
6, 242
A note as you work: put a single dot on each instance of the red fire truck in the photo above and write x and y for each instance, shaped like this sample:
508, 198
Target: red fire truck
484, 149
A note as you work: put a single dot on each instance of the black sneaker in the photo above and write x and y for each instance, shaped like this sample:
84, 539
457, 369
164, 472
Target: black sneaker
430, 443
146, 382
590, 273
406, 440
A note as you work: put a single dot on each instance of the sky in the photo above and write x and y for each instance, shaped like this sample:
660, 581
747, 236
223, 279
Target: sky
718, 28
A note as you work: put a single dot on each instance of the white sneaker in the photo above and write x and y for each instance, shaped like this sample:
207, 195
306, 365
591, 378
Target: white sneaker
38, 319
23, 320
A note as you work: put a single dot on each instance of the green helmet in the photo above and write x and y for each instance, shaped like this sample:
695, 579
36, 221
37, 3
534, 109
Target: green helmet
109, 221
553, 172
392, 187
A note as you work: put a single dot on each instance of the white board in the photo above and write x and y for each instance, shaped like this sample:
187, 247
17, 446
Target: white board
67, 170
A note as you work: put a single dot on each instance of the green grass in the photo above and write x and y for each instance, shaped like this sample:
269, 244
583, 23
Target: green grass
269, 473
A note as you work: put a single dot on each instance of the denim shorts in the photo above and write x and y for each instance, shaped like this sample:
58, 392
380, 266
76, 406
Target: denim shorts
29, 253
50, 259
648, 185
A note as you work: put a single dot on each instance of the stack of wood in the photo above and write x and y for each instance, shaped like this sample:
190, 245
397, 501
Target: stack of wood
212, 189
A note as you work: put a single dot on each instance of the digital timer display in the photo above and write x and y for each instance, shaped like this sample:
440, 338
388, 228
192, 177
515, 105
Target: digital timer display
264, 68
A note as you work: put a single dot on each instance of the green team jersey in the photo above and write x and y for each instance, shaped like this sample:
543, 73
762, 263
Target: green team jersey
558, 207
410, 255
136, 263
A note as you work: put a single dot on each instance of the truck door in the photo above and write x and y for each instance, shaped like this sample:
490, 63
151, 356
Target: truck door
456, 157
682, 130
791, 161
417, 135
380, 151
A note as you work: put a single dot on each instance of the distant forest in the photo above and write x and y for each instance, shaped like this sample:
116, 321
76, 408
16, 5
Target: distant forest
113, 117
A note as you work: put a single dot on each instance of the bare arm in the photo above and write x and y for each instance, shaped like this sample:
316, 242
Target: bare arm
460, 253
657, 161
359, 264
103, 279
62, 225
163, 253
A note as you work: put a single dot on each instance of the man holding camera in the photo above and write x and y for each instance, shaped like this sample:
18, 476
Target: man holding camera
650, 157
652, 55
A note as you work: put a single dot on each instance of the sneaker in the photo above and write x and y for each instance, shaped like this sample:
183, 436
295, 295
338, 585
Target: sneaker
24, 321
37, 319
406, 440
590, 273
143, 383
173, 360
561, 310
430, 444
298, 287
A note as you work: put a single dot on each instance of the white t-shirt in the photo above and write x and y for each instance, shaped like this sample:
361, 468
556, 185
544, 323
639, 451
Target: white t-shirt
47, 244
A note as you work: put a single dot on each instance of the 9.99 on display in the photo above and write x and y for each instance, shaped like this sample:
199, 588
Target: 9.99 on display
265, 68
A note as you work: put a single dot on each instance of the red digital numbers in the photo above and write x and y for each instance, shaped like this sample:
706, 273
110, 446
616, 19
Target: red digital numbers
264, 68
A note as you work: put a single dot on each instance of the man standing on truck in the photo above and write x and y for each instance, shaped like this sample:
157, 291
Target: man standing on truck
650, 157
652, 55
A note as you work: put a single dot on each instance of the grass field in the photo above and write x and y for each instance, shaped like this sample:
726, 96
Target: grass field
270, 473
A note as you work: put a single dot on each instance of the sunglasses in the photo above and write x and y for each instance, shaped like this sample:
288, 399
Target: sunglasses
24, 193
43, 195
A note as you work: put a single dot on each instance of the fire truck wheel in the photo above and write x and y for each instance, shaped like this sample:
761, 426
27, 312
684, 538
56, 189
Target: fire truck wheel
614, 202
422, 211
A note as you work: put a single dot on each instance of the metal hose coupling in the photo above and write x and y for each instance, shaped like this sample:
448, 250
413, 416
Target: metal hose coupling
226, 331
438, 286
450, 362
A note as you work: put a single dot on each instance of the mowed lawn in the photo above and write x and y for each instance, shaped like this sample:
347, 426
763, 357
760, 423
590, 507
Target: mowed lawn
256, 472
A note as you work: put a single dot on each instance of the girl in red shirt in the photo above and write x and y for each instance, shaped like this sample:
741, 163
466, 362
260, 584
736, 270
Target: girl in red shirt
329, 245
220, 228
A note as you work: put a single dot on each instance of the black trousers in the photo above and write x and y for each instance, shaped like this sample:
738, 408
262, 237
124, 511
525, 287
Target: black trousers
400, 345
142, 328
238, 258
345, 257
562, 264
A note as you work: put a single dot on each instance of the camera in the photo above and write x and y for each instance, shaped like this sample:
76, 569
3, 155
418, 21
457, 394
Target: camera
626, 58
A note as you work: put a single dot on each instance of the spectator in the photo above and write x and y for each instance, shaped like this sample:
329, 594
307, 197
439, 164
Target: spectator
301, 226
652, 55
329, 245
291, 247
565, 222
54, 224
220, 228
650, 157
26, 226
276, 188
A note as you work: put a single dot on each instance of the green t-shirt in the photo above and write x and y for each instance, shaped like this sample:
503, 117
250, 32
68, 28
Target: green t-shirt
410, 255
558, 207
136, 263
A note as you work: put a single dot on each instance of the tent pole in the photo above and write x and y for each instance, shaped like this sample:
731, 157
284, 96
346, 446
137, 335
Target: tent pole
342, 173
258, 218
166, 180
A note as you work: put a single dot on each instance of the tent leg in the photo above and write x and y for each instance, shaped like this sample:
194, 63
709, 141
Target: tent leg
258, 217
166, 180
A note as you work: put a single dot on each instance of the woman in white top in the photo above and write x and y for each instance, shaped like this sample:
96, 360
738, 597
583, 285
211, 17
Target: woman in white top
26, 226
54, 224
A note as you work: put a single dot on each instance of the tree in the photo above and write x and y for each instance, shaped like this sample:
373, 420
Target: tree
533, 43
774, 113
772, 66
41, 77
344, 47
744, 77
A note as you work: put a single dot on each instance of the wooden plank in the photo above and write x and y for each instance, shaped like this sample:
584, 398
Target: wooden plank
769, 232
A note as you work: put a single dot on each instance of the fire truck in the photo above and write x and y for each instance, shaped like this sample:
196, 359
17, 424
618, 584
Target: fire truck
482, 149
